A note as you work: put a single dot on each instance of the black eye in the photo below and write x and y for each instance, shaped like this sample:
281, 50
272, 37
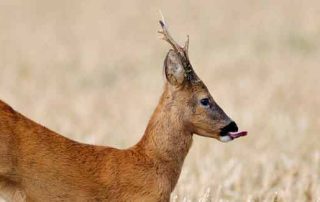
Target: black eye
205, 102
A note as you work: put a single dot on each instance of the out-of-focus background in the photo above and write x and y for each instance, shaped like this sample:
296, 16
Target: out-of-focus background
92, 70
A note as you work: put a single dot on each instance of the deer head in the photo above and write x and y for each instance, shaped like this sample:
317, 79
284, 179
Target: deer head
193, 102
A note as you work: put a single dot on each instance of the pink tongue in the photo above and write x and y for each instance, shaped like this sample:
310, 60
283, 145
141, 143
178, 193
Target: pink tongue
237, 134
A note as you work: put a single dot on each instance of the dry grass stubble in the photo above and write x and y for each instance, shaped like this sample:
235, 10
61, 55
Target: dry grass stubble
92, 71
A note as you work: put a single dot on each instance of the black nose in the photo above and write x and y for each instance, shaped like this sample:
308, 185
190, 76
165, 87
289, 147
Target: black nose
231, 127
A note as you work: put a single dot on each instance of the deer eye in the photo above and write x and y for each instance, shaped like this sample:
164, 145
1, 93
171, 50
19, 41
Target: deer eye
205, 102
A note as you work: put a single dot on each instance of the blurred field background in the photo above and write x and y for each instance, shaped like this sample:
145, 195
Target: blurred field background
92, 70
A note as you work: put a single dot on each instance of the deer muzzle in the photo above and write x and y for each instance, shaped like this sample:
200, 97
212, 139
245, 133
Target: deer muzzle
231, 132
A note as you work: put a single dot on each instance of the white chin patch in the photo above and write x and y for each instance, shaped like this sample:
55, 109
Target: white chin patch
225, 138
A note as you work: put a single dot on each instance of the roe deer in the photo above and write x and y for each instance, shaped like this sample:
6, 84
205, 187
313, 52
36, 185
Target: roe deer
37, 164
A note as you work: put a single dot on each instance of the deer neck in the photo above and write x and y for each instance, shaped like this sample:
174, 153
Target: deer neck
166, 140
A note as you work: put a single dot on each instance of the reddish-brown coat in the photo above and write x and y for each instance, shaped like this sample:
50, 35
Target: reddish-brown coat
42, 165
37, 164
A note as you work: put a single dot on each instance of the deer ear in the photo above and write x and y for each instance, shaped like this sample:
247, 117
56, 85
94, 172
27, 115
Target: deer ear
173, 68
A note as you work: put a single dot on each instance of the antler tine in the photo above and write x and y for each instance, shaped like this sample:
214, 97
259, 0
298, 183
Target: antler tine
186, 45
167, 37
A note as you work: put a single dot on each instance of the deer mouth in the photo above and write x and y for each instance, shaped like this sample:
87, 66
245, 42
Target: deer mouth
230, 132
226, 137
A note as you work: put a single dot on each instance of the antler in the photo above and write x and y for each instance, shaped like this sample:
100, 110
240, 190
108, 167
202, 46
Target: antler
182, 51
167, 37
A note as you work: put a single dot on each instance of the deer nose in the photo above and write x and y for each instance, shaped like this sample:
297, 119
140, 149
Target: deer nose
231, 127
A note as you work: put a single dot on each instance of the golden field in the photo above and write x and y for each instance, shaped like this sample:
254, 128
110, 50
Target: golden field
92, 70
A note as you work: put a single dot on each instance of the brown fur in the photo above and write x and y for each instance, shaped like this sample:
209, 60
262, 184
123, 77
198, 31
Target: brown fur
41, 165
37, 164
